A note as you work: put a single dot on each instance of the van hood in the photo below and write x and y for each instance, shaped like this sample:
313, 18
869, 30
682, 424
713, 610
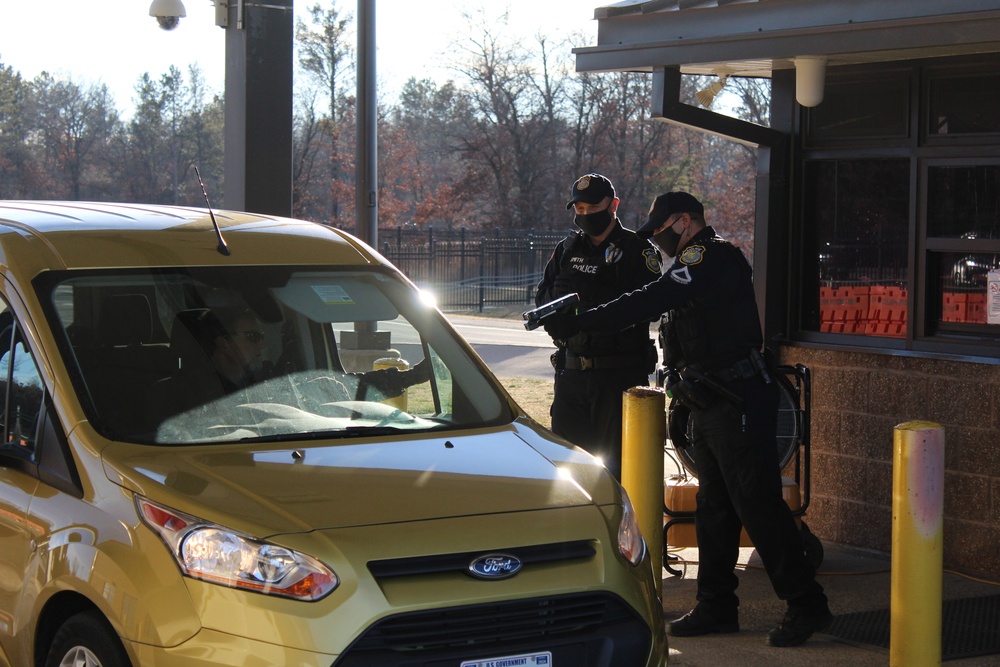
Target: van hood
280, 490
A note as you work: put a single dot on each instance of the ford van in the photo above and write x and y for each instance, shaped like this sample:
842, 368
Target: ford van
239, 439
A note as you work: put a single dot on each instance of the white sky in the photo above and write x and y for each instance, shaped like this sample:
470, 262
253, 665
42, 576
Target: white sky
115, 41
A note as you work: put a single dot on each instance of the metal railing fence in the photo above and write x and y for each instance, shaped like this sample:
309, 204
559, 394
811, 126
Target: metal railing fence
471, 269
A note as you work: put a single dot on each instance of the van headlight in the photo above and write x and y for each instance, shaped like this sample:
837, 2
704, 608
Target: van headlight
221, 556
630, 542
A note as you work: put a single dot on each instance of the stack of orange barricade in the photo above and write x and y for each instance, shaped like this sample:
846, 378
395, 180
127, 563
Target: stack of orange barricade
977, 308
843, 309
886, 311
954, 307
963, 307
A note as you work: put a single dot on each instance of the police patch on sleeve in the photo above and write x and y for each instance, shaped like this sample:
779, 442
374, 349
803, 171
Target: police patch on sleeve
681, 275
652, 260
692, 255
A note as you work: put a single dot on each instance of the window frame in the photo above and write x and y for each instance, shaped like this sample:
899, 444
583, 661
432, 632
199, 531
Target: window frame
959, 69
12, 456
973, 341
928, 330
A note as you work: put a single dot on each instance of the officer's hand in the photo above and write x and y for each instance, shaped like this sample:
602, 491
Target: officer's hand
561, 326
419, 373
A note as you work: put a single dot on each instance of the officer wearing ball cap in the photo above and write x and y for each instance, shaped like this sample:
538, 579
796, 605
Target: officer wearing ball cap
664, 207
711, 336
599, 261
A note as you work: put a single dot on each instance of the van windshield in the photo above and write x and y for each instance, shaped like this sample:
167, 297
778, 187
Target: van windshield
258, 353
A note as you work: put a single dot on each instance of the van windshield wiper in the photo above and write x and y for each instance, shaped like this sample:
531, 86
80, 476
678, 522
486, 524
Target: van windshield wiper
334, 434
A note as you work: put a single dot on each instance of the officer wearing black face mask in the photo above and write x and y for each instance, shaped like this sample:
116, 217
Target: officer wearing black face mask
599, 262
712, 338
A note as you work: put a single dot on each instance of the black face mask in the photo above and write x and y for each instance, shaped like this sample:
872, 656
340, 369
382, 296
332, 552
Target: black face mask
594, 224
667, 241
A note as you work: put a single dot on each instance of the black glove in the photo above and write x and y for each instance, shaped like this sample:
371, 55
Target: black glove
561, 326
422, 372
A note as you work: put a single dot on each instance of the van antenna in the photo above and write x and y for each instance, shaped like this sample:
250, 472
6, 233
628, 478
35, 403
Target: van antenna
222, 247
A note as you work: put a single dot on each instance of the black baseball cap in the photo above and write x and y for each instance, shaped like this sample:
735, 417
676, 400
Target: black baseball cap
665, 206
592, 189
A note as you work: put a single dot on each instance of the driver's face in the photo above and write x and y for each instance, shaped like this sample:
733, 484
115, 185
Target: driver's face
246, 343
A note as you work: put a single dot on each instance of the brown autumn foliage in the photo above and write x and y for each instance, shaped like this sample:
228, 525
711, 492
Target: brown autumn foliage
498, 147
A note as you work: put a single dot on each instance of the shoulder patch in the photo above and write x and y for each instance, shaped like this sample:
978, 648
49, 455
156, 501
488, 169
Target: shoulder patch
692, 255
652, 260
681, 275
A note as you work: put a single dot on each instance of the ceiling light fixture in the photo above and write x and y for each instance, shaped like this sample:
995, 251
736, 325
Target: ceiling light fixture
706, 96
810, 75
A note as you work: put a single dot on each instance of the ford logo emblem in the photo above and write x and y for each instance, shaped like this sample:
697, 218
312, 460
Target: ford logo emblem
494, 566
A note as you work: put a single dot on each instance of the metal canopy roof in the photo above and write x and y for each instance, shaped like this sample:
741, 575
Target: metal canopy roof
756, 37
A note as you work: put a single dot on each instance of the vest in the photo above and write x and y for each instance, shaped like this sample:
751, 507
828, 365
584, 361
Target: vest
715, 329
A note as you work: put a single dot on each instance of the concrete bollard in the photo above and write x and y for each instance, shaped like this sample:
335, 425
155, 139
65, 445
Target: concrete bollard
917, 545
644, 429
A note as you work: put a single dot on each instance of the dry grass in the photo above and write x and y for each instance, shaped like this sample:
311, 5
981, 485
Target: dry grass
532, 394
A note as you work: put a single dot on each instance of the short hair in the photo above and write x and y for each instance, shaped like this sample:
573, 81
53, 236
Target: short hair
219, 322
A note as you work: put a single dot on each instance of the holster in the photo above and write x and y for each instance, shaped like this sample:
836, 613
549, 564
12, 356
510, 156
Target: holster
698, 390
690, 393
558, 359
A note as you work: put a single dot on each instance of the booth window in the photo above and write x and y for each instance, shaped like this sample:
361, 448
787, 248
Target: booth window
963, 102
963, 247
873, 108
855, 228
899, 230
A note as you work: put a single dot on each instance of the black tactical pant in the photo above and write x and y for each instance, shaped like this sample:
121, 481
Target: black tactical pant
734, 449
587, 409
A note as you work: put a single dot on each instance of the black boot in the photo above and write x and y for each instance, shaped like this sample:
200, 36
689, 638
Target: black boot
703, 620
798, 626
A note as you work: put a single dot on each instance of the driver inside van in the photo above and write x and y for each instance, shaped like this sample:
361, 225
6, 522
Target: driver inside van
234, 345
237, 350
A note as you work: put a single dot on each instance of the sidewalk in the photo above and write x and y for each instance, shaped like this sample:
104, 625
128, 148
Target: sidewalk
854, 580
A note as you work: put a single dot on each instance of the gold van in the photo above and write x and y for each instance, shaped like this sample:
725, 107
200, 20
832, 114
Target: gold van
236, 439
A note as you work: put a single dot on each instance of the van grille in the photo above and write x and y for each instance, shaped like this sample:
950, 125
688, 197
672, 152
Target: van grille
459, 562
600, 625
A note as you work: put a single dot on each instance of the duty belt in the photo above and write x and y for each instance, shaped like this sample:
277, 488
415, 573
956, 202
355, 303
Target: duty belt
741, 370
603, 362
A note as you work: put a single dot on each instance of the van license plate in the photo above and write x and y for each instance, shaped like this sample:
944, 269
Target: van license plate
525, 660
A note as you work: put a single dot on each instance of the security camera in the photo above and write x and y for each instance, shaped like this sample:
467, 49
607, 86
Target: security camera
168, 13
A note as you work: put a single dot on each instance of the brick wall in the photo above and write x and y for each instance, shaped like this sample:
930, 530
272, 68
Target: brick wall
857, 400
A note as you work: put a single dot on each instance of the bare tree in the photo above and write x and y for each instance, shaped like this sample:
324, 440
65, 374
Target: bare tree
73, 125
326, 56
203, 124
497, 147
507, 131
16, 167
305, 149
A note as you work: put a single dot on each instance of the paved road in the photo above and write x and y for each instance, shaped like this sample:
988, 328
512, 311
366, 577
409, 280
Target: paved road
507, 348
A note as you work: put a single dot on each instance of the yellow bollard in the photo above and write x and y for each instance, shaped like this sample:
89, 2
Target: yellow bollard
917, 544
398, 402
644, 429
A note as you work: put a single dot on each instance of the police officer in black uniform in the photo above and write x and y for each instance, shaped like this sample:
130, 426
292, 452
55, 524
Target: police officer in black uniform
601, 261
712, 342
